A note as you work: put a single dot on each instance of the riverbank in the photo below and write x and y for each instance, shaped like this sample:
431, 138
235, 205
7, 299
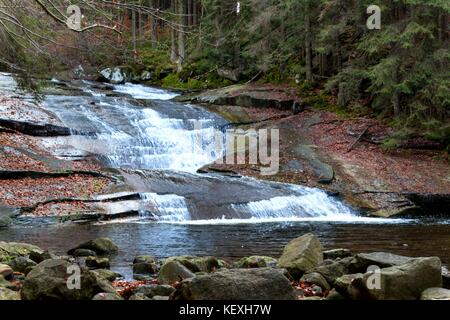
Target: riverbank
342, 154
304, 271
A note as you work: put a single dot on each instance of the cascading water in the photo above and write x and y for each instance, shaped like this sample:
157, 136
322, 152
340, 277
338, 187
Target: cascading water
153, 133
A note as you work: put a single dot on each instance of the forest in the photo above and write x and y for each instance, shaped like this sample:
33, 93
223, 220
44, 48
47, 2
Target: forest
398, 73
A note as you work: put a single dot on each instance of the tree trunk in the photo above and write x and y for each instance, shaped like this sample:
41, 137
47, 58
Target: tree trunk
308, 49
173, 47
181, 36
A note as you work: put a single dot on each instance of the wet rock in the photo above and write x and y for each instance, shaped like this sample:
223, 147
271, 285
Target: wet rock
401, 282
49, 280
144, 258
197, 264
83, 253
22, 264
257, 262
107, 274
301, 255
152, 290
101, 246
107, 296
97, 263
5, 270
336, 253
8, 294
317, 279
173, 271
435, 294
237, 284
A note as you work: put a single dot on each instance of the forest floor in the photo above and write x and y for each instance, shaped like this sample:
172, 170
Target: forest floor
341, 154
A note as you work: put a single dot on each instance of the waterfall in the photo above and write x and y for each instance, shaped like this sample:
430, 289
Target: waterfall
168, 207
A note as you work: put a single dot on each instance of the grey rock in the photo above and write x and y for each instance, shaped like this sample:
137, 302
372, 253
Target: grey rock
84, 253
22, 264
97, 262
107, 296
237, 284
301, 255
101, 246
257, 262
8, 294
337, 253
317, 279
173, 271
435, 294
152, 290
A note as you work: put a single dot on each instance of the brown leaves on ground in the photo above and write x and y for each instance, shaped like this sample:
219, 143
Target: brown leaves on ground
28, 191
125, 288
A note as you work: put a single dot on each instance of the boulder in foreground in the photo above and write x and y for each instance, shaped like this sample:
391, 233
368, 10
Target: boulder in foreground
301, 255
237, 284
101, 246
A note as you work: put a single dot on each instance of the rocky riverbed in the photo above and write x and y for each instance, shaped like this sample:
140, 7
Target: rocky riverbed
304, 271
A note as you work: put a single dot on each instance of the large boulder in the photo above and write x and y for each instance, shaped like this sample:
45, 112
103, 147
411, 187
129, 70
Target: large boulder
11, 250
402, 282
97, 262
335, 269
362, 261
114, 75
101, 246
301, 255
197, 264
22, 264
49, 281
144, 265
237, 284
257, 262
435, 294
152, 290
173, 271
8, 294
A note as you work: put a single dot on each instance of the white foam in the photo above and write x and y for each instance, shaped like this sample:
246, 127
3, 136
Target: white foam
139, 91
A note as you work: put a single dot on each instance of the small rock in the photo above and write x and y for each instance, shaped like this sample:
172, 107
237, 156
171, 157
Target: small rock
435, 294
402, 282
38, 257
22, 264
84, 253
172, 272
160, 298
342, 283
317, 279
144, 259
301, 255
381, 259
139, 296
144, 268
257, 262
198, 264
107, 274
107, 296
8, 294
97, 263
152, 290
5, 270
6, 284
101, 246
337, 253
334, 270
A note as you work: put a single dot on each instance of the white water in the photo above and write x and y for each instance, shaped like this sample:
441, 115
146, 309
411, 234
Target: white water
169, 207
139, 91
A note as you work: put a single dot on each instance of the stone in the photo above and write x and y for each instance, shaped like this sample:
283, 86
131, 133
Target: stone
152, 290
39, 257
401, 282
342, 283
22, 264
301, 255
101, 246
445, 278
84, 253
139, 296
381, 259
8, 294
49, 279
334, 295
107, 296
435, 294
113, 75
173, 271
97, 263
5, 270
237, 284
144, 259
6, 284
107, 274
317, 279
337, 253
144, 265
257, 262
161, 298
11, 250
197, 264
335, 269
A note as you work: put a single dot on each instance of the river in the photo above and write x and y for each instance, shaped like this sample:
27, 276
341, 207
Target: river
163, 143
